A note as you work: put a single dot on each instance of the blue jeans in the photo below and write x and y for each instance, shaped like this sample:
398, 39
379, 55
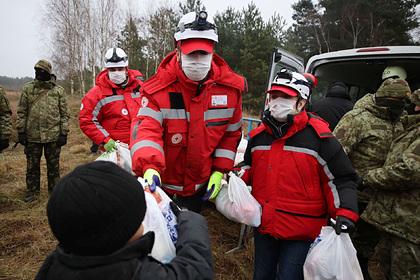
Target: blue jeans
278, 259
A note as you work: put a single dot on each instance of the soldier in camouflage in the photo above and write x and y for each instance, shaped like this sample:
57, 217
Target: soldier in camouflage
394, 208
42, 124
5, 120
366, 134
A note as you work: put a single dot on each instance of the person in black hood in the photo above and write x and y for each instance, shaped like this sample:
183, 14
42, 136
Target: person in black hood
96, 213
335, 105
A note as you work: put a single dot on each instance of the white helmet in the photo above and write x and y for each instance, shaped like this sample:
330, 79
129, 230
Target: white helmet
116, 57
194, 25
394, 72
291, 83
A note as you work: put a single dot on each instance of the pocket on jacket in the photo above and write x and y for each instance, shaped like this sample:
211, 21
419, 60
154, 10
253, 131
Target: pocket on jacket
177, 133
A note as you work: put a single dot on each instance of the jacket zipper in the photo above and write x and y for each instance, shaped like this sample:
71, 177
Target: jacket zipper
198, 89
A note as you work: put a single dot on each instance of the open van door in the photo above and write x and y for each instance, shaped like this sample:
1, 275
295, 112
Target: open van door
283, 59
361, 69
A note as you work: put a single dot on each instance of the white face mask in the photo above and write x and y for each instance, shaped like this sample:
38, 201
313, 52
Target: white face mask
196, 66
117, 77
281, 107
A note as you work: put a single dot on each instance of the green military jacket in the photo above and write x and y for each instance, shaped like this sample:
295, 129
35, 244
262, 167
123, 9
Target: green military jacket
5, 116
366, 134
42, 112
395, 207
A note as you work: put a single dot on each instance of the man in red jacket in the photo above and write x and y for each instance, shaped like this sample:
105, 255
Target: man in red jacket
107, 109
189, 123
300, 175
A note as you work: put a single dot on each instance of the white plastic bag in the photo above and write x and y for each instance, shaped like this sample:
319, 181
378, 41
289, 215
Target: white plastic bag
239, 157
163, 249
162, 221
120, 156
332, 257
236, 203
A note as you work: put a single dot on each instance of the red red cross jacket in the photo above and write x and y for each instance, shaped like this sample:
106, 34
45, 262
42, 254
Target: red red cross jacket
186, 130
107, 109
300, 178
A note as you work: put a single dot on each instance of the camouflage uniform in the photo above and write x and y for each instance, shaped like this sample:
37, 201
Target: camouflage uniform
5, 120
43, 118
366, 134
395, 207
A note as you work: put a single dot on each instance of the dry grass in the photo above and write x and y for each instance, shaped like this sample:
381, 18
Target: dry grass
25, 237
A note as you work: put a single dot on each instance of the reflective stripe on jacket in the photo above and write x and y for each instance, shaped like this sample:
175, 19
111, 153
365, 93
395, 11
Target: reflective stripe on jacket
107, 109
186, 130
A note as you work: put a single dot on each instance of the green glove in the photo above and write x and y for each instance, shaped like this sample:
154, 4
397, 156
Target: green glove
215, 183
152, 178
110, 145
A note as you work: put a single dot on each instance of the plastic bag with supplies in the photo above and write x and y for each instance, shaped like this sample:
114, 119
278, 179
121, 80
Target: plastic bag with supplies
236, 203
120, 156
162, 221
332, 257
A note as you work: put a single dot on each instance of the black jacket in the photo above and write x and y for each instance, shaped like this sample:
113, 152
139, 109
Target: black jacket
334, 106
193, 260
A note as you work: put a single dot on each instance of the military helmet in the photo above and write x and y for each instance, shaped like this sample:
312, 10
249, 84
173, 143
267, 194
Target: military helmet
394, 72
415, 97
44, 65
395, 88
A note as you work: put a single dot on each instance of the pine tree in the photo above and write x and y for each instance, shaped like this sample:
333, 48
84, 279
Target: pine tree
130, 41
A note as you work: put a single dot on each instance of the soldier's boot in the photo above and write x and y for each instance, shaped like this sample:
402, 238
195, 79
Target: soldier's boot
33, 171
52, 156
31, 196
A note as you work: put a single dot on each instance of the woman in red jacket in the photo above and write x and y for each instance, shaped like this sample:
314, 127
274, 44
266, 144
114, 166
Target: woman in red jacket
107, 109
300, 175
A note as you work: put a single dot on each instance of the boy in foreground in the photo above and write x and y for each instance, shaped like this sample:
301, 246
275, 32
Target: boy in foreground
96, 214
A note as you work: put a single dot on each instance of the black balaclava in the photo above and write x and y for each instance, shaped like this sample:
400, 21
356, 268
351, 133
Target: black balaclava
42, 75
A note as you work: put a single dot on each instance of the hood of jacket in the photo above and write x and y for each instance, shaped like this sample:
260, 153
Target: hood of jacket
338, 90
139, 248
220, 73
103, 81
367, 103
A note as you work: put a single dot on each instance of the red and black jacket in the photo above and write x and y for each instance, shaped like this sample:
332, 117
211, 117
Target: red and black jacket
301, 176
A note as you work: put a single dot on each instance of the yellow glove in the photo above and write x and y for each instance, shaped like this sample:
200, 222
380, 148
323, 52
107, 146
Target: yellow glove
110, 145
152, 178
215, 183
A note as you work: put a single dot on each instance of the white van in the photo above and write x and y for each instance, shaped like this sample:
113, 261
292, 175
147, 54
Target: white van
361, 69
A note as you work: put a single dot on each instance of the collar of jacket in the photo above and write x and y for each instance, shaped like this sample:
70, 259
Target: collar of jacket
220, 73
367, 103
137, 249
285, 130
44, 84
102, 80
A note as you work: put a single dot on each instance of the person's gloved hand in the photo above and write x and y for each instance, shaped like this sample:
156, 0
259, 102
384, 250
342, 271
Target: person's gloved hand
152, 178
110, 145
4, 144
62, 140
94, 148
22, 138
342, 224
214, 185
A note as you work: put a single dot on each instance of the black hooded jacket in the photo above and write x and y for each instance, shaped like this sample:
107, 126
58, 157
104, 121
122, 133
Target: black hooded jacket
335, 105
193, 259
